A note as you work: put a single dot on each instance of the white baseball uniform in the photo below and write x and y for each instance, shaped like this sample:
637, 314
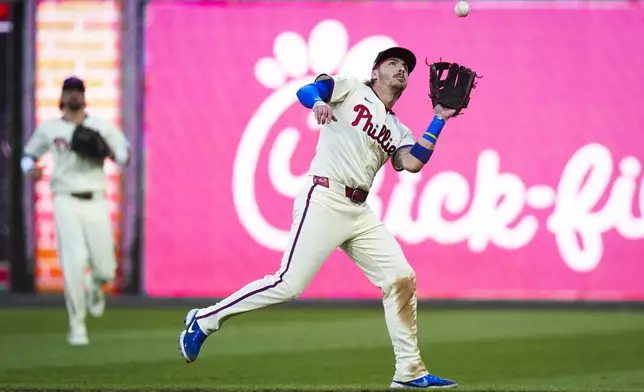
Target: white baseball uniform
349, 154
81, 211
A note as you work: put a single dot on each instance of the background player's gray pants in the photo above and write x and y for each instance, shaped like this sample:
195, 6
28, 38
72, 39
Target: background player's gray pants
85, 238
324, 220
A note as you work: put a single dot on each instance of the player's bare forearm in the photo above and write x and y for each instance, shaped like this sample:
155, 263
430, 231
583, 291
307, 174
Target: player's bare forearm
118, 149
37, 145
404, 160
122, 158
415, 157
413, 164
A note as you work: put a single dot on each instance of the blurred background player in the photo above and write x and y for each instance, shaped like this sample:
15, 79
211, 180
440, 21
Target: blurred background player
81, 211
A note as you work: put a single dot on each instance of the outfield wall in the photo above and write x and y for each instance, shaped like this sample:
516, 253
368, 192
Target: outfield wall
535, 193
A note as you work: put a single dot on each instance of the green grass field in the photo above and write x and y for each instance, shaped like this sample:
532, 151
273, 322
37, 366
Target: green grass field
340, 349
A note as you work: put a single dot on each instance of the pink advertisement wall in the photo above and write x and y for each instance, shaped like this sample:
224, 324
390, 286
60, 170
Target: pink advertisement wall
535, 193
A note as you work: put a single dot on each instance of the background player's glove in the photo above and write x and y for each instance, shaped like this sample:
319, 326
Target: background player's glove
454, 91
89, 143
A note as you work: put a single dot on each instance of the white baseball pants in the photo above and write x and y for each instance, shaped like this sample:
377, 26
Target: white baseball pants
84, 237
323, 220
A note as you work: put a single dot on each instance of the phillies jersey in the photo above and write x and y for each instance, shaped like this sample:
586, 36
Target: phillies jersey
73, 173
353, 149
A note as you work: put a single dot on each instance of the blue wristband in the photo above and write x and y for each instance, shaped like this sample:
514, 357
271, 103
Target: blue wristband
421, 153
434, 129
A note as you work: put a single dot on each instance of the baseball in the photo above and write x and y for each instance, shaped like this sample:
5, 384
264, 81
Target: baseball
462, 8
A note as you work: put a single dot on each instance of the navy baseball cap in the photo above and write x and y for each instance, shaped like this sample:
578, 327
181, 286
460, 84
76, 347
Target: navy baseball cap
405, 55
74, 83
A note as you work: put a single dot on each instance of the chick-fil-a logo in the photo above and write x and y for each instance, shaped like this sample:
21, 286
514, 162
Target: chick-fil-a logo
497, 200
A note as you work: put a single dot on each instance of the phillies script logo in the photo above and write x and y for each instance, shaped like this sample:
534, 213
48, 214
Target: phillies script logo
383, 138
491, 209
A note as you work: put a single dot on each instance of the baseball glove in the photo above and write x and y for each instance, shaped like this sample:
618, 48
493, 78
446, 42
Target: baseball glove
89, 143
454, 91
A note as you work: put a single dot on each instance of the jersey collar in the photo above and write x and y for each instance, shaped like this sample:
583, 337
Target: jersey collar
84, 118
389, 111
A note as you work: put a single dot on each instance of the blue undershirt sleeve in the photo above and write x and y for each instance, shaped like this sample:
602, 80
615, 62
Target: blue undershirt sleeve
309, 94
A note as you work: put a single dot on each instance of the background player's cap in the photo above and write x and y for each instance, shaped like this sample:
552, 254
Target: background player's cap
74, 83
405, 55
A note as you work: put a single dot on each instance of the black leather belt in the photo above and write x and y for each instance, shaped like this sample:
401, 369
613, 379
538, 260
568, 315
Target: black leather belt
83, 195
355, 195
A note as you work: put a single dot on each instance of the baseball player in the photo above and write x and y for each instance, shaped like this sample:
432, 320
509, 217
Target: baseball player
360, 133
81, 211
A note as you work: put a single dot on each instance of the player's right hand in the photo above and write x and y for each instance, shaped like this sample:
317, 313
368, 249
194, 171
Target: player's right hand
35, 173
323, 113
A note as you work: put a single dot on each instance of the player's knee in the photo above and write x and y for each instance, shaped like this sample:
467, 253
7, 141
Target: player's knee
405, 271
405, 281
403, 287
74, 267
291, 290
103, 271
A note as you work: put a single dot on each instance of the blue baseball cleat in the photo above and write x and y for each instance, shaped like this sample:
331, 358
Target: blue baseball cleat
428, 381
192, 338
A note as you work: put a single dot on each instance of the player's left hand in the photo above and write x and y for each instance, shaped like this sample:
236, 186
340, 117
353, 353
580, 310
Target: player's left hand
444, 112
